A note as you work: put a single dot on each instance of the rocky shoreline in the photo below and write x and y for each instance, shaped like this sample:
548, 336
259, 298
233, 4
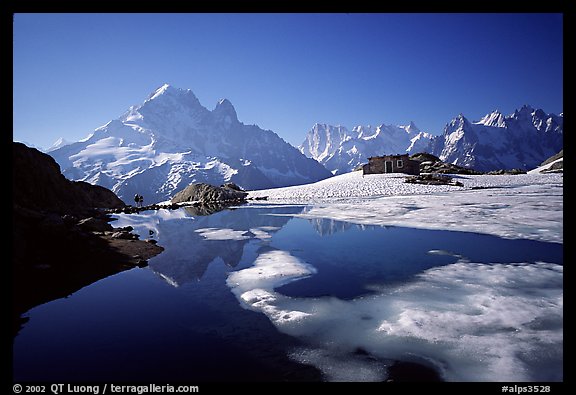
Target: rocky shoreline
62, 240
62, 236
55, 256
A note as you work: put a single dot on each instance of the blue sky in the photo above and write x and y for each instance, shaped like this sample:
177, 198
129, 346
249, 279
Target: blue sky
284, 72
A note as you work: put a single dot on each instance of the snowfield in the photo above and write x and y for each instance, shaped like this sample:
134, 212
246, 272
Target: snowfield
355, 185
512, 206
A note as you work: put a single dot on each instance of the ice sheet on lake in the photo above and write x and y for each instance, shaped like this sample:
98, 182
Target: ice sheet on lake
474, 322
512, 206
529, 212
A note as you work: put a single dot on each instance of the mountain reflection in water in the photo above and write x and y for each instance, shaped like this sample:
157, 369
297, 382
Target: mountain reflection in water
188, 252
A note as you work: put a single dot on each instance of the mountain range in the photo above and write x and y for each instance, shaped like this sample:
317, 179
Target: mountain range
341, 150
521, 140
171, 140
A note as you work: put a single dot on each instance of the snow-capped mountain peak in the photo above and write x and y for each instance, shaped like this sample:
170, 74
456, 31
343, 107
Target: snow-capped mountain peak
171, 140
160, 91
412, 128
225, 110
495, 118
456, 124
61, 142
341, 150
168, 95
521, 140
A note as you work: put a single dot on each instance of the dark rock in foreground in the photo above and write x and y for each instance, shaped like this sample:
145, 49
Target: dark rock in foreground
38, 184
402, 371
206, 193
62, 240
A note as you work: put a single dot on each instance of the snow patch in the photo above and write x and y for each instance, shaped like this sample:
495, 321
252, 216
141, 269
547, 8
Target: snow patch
254, 287
222, 234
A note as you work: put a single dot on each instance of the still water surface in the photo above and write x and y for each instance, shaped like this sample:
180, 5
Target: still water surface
178, 319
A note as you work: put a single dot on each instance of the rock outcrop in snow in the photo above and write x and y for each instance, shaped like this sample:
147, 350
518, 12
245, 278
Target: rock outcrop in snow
171, 140
554, 164
206, 193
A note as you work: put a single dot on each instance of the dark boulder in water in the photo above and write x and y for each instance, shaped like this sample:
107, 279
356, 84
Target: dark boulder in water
206, 193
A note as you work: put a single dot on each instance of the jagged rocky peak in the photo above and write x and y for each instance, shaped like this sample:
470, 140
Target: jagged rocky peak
495, 118
518, 141
524, 112
458, 123
412, 128
225, 109
540, 113
341, 150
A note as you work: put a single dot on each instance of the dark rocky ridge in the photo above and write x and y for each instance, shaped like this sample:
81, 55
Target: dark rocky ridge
553, 158
38, 184
557, 167
62, 240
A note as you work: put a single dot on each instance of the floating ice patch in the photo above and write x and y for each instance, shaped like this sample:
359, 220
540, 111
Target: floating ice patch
222, 234
254, 286
271, 269
473, 322
484, 322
